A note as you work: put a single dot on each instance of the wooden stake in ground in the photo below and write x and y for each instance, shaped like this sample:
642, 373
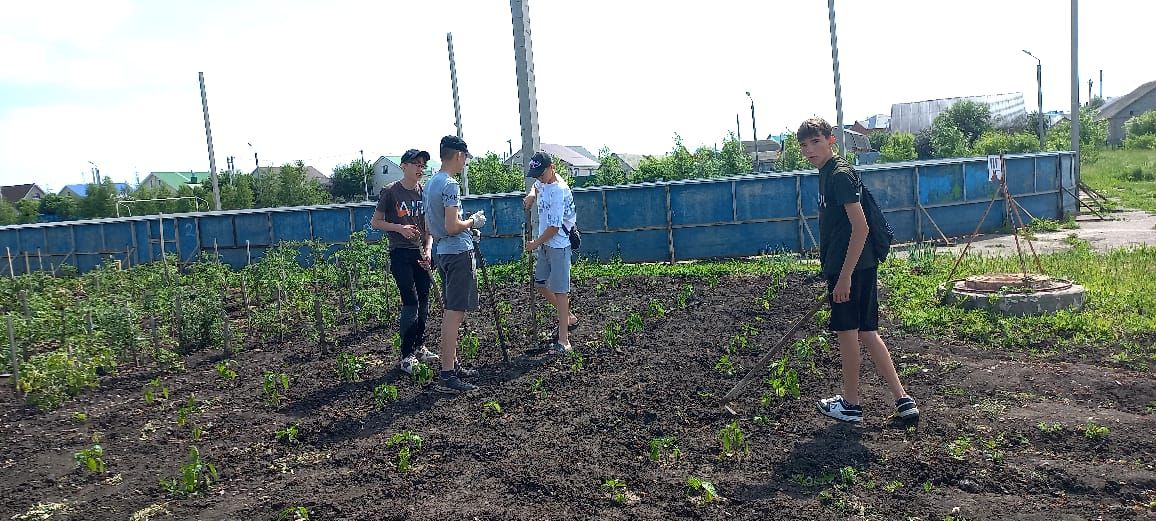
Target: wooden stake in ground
532, 324
226, 333
12, 354
23, 295
11, 271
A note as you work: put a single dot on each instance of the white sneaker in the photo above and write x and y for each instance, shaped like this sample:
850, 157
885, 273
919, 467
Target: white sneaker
426, 355
408, 364
839, 409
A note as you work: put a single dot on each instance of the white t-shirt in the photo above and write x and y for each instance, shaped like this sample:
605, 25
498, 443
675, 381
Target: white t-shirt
556, 208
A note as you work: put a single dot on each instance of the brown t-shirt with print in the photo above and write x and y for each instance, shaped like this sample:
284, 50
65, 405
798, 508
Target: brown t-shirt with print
401, 205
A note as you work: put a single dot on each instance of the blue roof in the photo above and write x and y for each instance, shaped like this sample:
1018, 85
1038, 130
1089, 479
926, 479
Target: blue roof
82, 189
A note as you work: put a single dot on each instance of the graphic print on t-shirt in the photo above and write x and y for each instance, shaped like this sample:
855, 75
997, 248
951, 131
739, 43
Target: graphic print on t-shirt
410, 209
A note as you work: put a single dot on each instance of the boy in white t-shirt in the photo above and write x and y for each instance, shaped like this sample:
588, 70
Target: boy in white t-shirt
556, 220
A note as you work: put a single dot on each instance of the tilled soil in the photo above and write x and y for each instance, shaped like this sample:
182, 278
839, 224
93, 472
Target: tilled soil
566, 428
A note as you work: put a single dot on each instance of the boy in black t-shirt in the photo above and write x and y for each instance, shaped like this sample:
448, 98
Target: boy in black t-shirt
401, 215
851, 272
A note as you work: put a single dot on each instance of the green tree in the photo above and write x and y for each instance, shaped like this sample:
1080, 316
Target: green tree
898, 147
8, 214
651, 169
1140, 125
29, 210
923, 144
947, 140
733, 158
1093, 135
995, 142
349, 180
62, 206
972, 118
99, 200
609, 171
236, 191
266, 187
488, 175
879, 140
791, 157
296, 189
1095, 103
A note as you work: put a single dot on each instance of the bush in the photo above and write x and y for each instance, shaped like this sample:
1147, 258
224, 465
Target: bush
972, 118
1141, 142
900, 147
1143, 124
996, 142
946, 138
879, 140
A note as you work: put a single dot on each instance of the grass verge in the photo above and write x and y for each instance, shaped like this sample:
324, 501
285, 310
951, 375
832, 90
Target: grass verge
1127, 175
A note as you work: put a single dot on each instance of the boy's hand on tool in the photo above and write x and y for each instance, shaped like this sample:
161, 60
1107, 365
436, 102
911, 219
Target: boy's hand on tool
842, 291
531, 246
424, 261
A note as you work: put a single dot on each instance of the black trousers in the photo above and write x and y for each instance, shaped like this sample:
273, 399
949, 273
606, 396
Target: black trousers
413, 283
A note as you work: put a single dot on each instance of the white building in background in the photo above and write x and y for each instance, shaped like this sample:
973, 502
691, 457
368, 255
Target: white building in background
1007, 110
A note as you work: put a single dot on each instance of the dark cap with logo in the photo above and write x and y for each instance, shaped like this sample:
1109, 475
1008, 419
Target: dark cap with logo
456, 143
414, 153
538, 164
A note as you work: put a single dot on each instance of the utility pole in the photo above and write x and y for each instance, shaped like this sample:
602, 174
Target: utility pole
527, 92
256, 163
209, 141
1039, 95
1076, 90
364, 178
738, 129
754, 131
1101, 83
835, 66
510, 142
457, 108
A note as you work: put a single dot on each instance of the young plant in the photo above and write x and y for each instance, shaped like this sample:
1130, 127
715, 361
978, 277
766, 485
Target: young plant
154, 390
634, 323
892, 486
91, 458
492, 407
576, 361
196, 477
610, 334
225, 370
660, 447
274, 386
422, 373
384, 393
617, 490
288, 435
188, 408
725, 366
1092, 431
702, 490
684, 295
959, 447
784, 380
469, 346
738, 343
198, 432
407, 443
296, 513
537, 388
349, 367
1050, 428
79, 417
732, 442
656, 309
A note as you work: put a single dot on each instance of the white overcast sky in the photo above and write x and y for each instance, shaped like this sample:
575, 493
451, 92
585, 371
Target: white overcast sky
115, 81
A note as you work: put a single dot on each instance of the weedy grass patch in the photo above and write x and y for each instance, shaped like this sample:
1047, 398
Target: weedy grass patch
1126, 175
195, 478
91, 459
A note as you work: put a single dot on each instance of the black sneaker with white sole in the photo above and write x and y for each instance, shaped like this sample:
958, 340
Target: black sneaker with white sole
839, 409
906, 408
453, 385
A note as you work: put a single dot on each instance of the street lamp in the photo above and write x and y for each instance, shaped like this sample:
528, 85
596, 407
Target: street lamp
1039, 95
754, 130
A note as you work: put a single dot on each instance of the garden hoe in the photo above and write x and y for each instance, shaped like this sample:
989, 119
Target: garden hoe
769, 355
490, 296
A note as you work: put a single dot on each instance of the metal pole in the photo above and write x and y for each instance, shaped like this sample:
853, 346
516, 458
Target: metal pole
457, 106
364, 178
738, 129
754, 131
209, 141
1075, 91
12, 354
1040, 98
835, 67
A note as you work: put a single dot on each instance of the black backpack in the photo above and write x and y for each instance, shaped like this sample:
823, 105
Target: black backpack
880, 234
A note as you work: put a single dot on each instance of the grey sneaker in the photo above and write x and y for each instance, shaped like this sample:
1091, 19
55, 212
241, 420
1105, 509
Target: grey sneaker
453, 385
559, 349
906, 408
426, 355
408, 364
464, 372
839, 409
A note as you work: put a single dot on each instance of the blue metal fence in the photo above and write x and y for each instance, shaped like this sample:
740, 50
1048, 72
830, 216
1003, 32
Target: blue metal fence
727, 217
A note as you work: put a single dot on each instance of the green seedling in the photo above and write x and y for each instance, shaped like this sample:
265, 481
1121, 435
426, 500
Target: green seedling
293, 514
892, 486
80, 417
188, 408
1092, 431
684, 295
634, 323
349, 367
610, 334
702, 490
732, 442
289, 435
907, 370
656, 309
848, 475
538, 388
738, 343
196, 477
725, 366
959, 447
784, 380
617, 490
926, 486
396, 343
154, 390
225, 370
383, 394
91, 458
492, 407
576, 361
665, 445
469, 346
407, 443
821, 480
274, 386
422, 373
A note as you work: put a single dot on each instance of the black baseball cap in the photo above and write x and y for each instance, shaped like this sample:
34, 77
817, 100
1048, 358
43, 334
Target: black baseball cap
414, 153
456, 143
539, 163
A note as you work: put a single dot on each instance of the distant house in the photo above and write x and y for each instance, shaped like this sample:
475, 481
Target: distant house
628, 162
1119, 110
1007, 110
387, 169
768, 154
579, 164
582, 150
872, 125
79, 190
173, 181
16, 193
310, 173
855, 141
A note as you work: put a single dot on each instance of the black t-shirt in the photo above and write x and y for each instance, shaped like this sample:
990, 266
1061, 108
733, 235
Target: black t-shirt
839, 184
401, 205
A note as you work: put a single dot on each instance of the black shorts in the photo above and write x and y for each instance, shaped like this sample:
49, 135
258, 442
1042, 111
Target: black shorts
861, 312
459, 281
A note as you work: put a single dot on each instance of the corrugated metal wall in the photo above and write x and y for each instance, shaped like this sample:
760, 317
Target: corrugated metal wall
730, 217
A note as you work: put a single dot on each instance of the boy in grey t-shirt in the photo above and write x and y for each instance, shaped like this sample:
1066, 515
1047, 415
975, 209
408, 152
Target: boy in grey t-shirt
453, 253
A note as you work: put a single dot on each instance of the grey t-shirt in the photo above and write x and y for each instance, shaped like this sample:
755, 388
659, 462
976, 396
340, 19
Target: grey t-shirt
444, 192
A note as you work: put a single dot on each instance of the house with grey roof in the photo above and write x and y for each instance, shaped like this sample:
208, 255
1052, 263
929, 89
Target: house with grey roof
16, 193
1119, 110
1007, 110
387, 169
579, 165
